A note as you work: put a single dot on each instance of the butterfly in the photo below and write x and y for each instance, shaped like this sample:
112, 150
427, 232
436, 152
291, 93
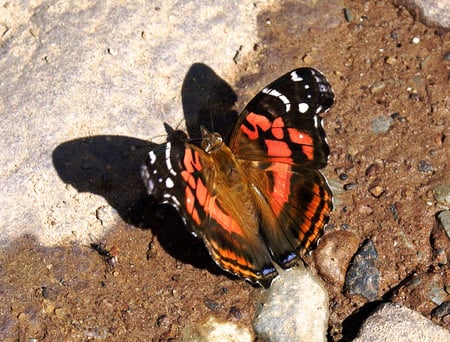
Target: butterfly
261, 199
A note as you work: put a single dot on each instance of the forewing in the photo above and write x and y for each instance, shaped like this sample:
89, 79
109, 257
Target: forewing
282, 123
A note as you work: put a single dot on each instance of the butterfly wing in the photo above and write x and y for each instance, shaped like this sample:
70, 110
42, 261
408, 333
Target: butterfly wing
184, 176
281, 123
280, 139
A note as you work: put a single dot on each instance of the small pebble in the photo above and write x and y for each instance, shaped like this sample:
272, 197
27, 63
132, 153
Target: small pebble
343, 176
45, 292
393, 209
395, 115
414, 96
394, 35
372, 170
162, 321
423, 291
381, 124
446, 56
391, 60
376, 191
212, 305
377, 87
152, 250
307, 59
352, 152
425, 167
424, 64
349, 186
365, 209
235, 312
415, 40
348, 15
60, 312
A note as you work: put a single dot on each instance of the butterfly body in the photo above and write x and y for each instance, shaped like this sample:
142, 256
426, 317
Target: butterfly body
262, 198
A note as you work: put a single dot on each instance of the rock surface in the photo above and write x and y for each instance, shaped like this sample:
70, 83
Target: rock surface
431, 12
363, 276
333, 256
296, 309
74, 70
397, 323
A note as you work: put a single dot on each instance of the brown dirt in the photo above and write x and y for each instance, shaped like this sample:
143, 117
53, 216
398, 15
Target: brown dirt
164, 285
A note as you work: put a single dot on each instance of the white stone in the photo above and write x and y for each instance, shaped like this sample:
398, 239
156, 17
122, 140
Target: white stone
296, 308
217, 331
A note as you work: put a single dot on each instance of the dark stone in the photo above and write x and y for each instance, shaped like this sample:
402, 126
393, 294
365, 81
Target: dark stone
363, 277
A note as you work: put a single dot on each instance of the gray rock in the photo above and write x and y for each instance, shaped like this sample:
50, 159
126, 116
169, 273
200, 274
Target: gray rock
71, 70
296, 309
392, 322
363, 277
425, 167
441, 194
444, 220
441, 310
431, 12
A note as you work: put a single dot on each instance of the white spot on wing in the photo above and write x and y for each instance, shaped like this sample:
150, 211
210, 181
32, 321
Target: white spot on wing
168, 161
316, 124
303, 107
175, 200
295, 77
150, 186
152, 157
144, 172
276, 93
169, 183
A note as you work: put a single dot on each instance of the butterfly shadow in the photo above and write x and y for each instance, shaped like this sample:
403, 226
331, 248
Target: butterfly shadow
109, 166
208, 101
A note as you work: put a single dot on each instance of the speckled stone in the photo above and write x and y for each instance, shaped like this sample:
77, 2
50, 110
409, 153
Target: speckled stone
431, 12
71, 70
296, 309
397, 323
362, 277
